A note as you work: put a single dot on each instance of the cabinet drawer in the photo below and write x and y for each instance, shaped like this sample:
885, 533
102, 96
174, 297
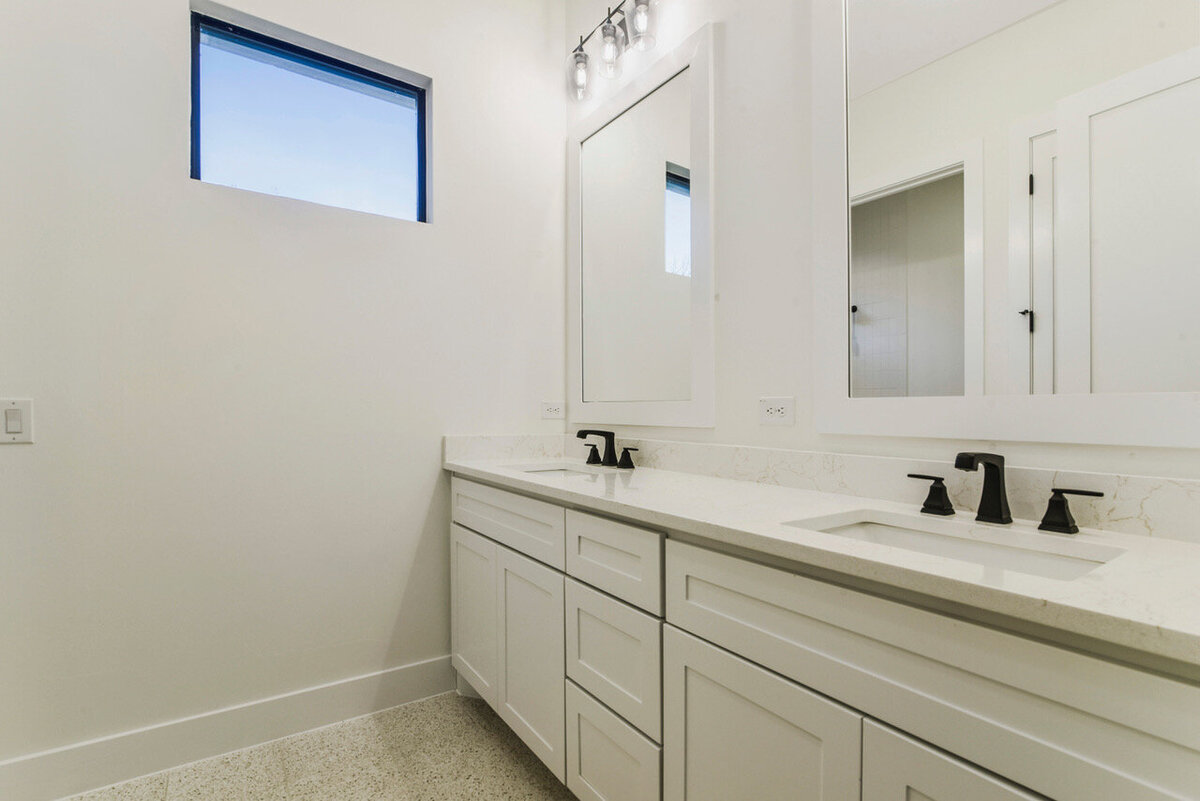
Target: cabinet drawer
899, 768
607, 759
622, 560
1014, 706
534, 528
615, 652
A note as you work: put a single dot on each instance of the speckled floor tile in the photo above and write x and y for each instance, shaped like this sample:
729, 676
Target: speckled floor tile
151, 788
447, 748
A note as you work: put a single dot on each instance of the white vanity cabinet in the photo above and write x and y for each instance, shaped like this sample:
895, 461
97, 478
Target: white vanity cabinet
765, 683
571, 664
735, 730
1064, 724
506, 616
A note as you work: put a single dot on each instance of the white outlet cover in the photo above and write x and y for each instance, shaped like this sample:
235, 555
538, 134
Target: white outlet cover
777, 411
556, 410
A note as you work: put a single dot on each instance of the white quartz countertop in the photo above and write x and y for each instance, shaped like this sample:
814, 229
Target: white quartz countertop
1147, 599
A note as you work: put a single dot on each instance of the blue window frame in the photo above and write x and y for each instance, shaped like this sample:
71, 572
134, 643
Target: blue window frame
270, 116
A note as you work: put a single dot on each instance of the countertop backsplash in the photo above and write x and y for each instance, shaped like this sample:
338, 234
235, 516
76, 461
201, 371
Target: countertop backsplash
1148, 506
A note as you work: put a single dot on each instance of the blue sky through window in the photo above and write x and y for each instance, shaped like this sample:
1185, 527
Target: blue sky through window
275, 123
678, 227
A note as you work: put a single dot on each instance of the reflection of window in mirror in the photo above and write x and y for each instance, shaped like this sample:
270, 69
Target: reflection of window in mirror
906, 287
678, 217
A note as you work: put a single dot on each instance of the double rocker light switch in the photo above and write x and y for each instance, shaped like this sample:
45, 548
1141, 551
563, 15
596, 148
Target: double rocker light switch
18, 421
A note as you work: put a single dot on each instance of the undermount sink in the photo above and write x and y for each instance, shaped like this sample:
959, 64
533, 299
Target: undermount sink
559, 469
1016, 549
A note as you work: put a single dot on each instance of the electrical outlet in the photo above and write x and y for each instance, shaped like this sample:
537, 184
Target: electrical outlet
777, 411
553, 411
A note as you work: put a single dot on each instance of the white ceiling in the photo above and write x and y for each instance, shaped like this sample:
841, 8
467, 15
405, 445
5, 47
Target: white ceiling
891, 38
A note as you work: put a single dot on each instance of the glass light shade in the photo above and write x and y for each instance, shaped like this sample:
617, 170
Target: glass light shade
610, 50
642, 25
579, 75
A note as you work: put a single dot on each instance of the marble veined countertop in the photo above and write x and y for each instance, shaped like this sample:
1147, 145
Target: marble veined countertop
1146, 599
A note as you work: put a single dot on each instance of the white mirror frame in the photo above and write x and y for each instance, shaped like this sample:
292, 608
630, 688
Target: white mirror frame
1152, 419
694, 55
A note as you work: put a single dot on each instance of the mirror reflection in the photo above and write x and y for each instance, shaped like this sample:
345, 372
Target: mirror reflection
637, 251
1025, 192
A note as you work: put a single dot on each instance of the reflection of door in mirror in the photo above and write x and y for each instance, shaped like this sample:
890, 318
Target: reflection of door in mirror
906, 287
637, 251
1088, 112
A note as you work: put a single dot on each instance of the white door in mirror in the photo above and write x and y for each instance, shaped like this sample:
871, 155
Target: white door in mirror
18, 421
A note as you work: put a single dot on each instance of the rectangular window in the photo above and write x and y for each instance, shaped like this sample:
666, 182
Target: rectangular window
273, 117
678, 227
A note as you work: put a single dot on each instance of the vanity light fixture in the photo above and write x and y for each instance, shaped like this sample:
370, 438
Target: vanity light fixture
580, 74
642, 25
612, 44
620, 28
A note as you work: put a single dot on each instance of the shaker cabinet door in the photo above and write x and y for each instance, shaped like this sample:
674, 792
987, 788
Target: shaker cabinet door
473, 645
530, 674
735, 730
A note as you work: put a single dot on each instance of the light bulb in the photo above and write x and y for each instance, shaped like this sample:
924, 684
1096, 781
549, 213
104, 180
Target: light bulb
641, 25
580, 75
610, 50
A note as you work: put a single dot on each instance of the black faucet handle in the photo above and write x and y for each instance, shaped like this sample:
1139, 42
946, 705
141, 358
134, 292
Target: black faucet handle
1058, 517
626, 462
593, 454
937, 502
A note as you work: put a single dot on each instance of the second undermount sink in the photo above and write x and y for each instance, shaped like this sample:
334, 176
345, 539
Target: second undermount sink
1016, 549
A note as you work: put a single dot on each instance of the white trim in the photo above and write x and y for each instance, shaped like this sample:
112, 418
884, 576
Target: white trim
303, 40
83, 766
917, 172
1020, 246
694, 55
1151, 419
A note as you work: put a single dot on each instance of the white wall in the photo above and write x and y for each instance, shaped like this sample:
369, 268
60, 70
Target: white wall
763, 242
235, 490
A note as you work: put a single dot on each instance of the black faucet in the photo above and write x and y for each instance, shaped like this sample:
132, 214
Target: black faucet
610, 445
993, 505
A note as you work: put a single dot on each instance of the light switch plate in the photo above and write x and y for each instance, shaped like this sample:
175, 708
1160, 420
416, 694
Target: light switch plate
777, 411
16, 412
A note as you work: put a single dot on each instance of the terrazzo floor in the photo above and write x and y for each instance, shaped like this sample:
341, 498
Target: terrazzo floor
443, 748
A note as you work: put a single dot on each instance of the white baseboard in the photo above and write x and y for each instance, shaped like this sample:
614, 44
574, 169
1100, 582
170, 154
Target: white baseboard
107, 760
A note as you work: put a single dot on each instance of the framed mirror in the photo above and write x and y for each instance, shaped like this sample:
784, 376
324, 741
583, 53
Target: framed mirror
1006, 218
640, 271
